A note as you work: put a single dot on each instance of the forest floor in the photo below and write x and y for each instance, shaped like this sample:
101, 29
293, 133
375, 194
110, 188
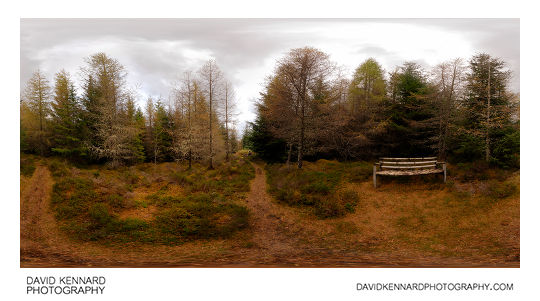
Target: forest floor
277, 236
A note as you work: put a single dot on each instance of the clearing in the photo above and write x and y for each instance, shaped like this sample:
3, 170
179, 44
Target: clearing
397, 225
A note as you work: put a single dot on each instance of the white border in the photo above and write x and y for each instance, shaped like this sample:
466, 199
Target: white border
269, 284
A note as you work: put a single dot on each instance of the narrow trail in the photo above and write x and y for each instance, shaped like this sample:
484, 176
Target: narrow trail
41, 240
268, 226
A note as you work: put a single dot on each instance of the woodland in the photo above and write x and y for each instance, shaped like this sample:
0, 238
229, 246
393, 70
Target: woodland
186, 183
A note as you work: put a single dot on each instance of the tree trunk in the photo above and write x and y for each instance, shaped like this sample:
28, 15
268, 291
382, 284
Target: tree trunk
488, 111
301, 146
211, 165
189, 159
40, 88
289, 155
227, 123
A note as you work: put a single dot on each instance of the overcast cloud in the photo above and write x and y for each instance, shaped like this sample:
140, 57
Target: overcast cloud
156, 51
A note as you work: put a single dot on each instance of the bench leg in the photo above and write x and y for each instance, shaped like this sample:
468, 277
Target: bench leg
444, 169
374, 176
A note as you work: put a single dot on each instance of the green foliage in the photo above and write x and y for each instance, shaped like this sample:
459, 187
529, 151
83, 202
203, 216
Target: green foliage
316, 190
506, 148
99, 215
504, 145
28, 165
137, 121
259, 139
35, 109
466, 148
207, 210
181, 178
115, 201
58, 167
66, 118
477, 170
350, 199
500, 190
71, 196
201, 216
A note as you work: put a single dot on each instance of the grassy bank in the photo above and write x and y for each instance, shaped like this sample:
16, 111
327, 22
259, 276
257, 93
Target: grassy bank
149, 203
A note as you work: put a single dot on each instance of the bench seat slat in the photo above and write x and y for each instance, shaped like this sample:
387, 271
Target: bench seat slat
407, 167
407, 163
409, 172
408, 159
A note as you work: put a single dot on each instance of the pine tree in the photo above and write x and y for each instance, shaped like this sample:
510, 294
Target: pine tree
36, 107
66, 118
136, 121
163, 128
487, 103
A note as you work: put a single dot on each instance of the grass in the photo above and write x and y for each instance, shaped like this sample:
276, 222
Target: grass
317, 186
471, 216
328, 205
28, 165
92, 204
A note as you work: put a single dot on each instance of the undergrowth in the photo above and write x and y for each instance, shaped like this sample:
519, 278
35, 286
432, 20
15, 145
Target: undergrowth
89, 203
317, 186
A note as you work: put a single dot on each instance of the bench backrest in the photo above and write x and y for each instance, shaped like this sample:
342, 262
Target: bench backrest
408, 163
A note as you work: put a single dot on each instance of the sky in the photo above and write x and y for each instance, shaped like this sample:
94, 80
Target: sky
156, 52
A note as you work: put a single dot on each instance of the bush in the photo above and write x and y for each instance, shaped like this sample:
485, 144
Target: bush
316, 189
99, 214
133, 224
505, 152
472, 171
467, 148
202, 216
498, 190
181, 179
27, 166
57, 168
71, 196
85, 208
361, 172
116, 201
130, 176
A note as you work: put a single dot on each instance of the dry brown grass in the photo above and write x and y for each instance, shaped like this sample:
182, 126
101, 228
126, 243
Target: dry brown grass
417, 222
139, 212
422, 220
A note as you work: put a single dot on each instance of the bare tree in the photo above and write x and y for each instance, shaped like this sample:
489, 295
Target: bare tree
304, 69
229, 107
184, 108
448, 78
211, 77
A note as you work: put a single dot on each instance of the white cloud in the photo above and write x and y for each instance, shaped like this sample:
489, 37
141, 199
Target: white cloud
155, 52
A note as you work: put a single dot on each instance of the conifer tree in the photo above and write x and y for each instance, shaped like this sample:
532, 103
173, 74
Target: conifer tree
36, 107
66, 118
111, 133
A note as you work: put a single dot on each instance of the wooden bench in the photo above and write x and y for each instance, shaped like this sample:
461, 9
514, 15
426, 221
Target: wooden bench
407, 167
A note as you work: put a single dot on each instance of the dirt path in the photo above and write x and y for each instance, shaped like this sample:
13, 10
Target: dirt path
40, 237
268, 226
